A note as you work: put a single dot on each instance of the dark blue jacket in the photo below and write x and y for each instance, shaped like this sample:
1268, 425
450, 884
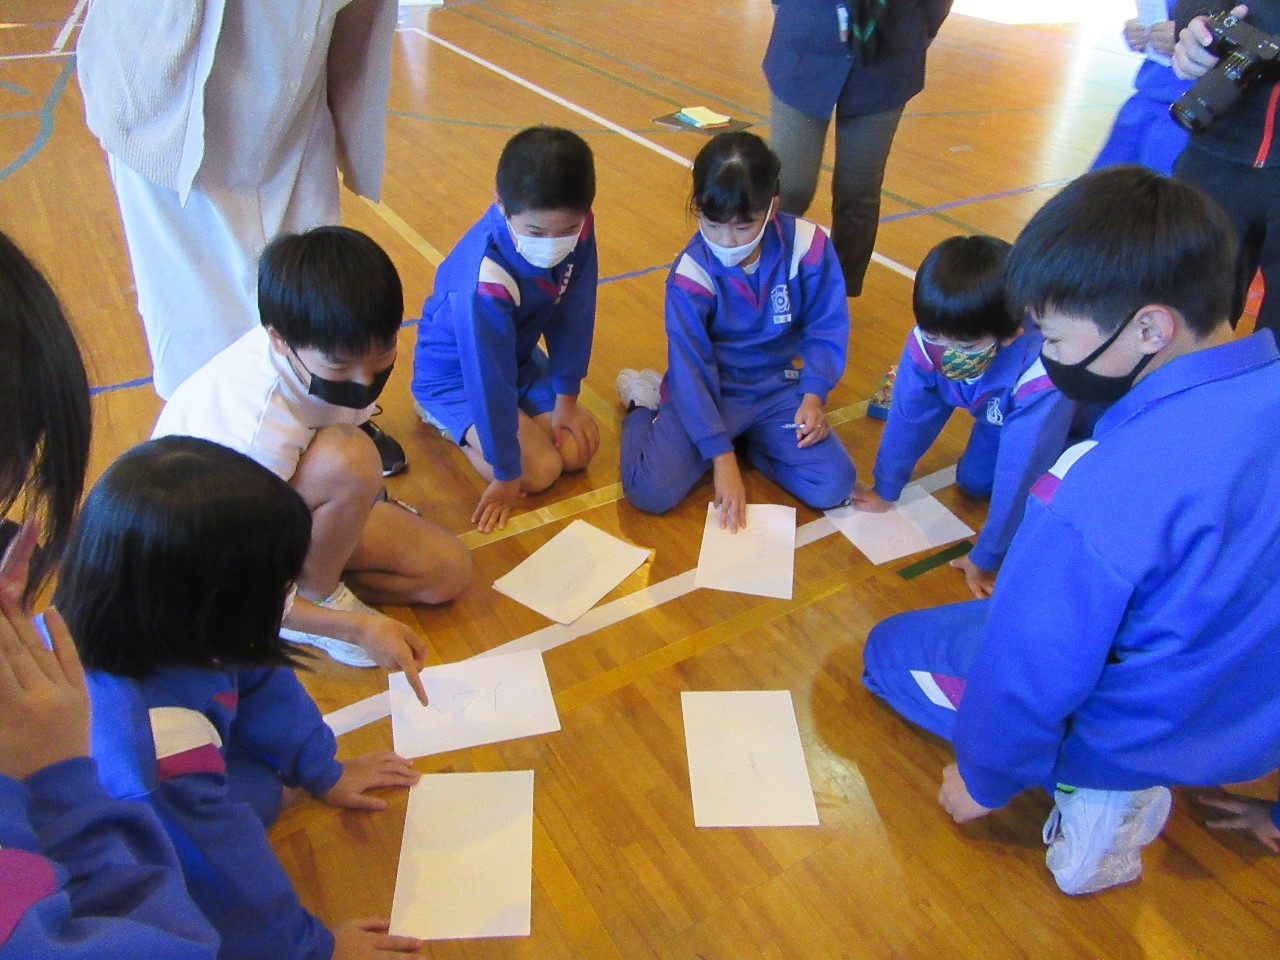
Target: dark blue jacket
810, 68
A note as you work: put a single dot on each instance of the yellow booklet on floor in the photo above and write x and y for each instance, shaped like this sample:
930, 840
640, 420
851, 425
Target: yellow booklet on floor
702, 117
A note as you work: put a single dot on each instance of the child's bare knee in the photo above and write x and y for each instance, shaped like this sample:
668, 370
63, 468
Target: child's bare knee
541, 470
340, 451
449, 575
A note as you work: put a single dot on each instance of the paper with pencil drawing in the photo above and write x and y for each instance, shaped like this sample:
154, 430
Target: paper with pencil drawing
466, 861
571, 572
759, 560
916, 522
481, 700
746, 762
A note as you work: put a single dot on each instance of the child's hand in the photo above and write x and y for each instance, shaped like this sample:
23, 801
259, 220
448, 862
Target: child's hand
368, 938
980, 582
44, 707
955, 797
1247, 813
369, 772
812, 420
731, 492
579, 424
394, 646
866, 499
1136, 35
1163, 38
495, 505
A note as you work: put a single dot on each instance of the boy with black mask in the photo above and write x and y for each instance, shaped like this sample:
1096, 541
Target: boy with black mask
290, 394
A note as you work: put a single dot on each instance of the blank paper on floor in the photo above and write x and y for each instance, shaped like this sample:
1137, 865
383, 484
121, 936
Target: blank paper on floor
466, 861
571, 572
746, 762
481, 700
916, 522
759, 559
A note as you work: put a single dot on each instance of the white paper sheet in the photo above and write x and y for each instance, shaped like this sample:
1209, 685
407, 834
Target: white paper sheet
746, 763
916, 522
466, 861
475, 701
759, 560
571, 572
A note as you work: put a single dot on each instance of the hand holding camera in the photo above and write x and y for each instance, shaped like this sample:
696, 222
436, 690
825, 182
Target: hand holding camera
1229, 56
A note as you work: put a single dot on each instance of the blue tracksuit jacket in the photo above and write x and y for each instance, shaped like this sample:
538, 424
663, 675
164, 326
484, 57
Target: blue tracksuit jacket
167, 740
728, 329
485, 315
87, 877
1013, 394
1133, 640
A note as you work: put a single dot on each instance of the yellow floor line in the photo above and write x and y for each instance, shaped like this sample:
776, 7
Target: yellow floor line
406, 232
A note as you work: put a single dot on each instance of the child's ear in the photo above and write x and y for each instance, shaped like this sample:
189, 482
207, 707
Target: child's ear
498, 200
1157, 324
277, 342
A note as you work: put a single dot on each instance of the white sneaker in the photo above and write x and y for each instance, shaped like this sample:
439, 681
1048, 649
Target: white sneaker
353, 655
1096, 837
640, 387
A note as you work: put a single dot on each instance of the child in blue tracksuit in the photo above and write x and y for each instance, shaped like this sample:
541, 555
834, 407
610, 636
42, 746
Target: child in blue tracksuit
1143, 131
82, 876
1132, 643
527, 270
174, 586
968, 352
749, 293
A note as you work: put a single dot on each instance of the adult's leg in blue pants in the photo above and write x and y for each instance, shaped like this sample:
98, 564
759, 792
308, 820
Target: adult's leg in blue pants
976, 471
917, 662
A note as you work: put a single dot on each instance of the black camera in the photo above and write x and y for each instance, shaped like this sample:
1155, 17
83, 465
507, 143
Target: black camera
1246, 54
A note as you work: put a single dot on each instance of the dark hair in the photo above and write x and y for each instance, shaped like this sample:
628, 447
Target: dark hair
735, 175
546, 168
182, 557
45, 421
332, 289
1122, 237
959, 290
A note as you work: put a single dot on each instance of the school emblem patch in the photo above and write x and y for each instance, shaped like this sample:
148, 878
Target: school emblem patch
994, 414
781, 298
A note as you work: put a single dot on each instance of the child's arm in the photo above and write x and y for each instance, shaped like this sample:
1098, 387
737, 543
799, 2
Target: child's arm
693, 375
486, 332
916, 417
823, 318
1032, 438
569, 336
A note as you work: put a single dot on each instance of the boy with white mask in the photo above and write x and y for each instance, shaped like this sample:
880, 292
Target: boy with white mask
752, 291
526, 270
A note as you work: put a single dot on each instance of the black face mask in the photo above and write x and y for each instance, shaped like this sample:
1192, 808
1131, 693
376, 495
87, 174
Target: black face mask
1085, 386
346, 393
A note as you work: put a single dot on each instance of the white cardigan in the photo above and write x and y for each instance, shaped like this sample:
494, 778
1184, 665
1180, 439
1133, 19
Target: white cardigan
144, 65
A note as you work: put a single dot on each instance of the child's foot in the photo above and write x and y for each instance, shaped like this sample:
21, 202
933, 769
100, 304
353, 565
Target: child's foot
1096, 837
641, 388
353, 655
880, 402
389, 450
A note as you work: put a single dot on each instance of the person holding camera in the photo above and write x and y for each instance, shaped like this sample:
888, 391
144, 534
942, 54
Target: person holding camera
1235, 158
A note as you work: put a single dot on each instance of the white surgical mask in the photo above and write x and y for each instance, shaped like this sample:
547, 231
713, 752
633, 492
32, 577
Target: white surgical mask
732, 256
544, 252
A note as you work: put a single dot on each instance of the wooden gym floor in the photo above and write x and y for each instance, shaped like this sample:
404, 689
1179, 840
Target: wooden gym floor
1010, 113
